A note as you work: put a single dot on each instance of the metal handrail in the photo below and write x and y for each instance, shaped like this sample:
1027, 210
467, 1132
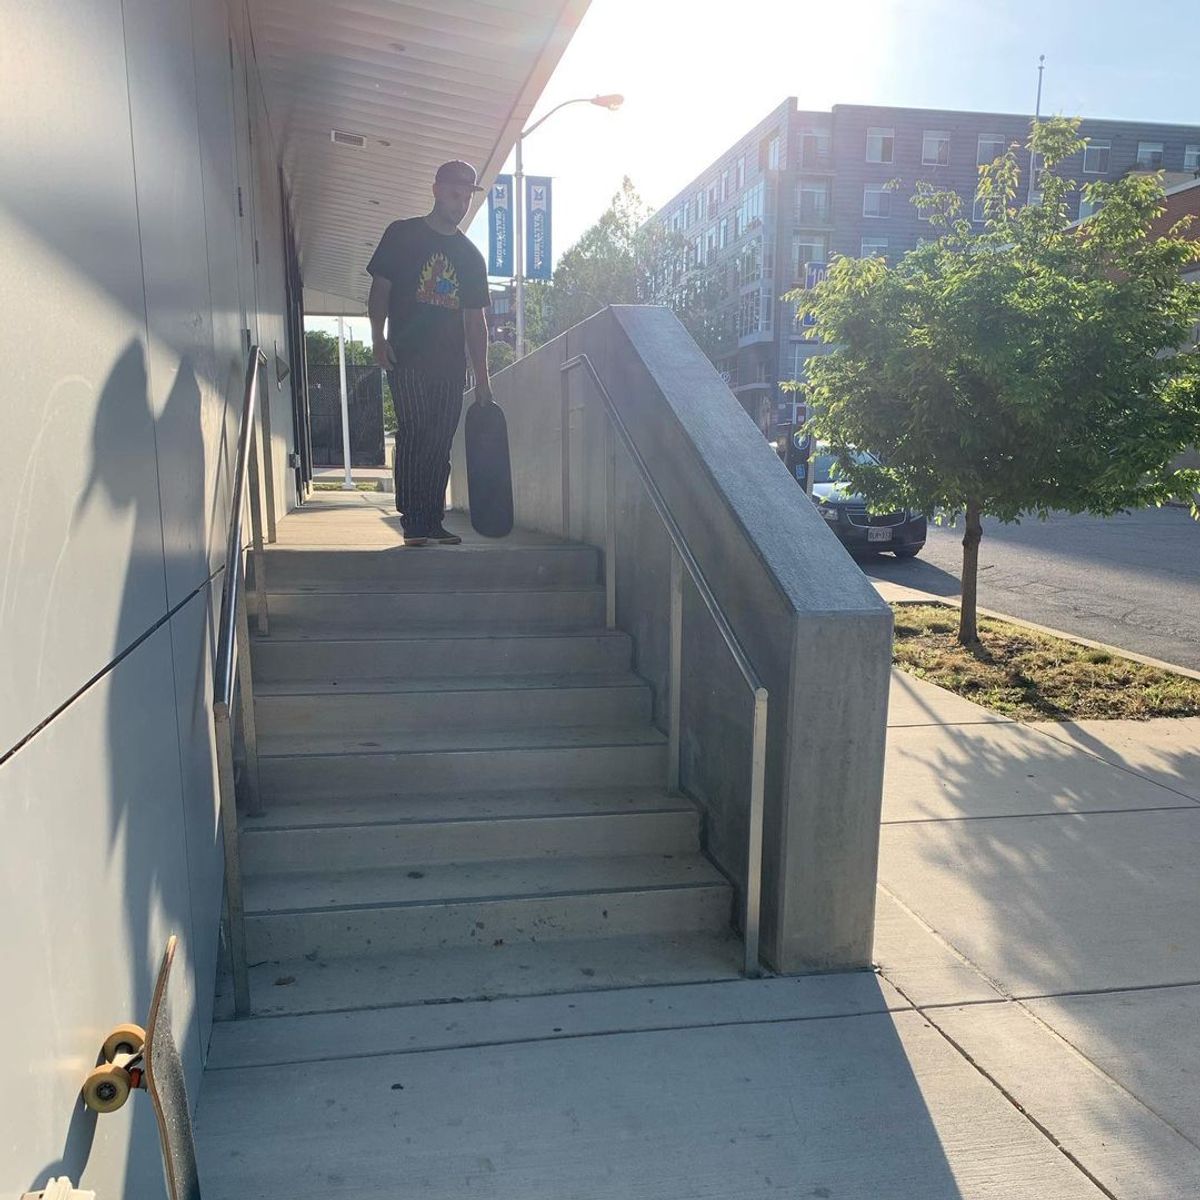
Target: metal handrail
682, 556
233, 669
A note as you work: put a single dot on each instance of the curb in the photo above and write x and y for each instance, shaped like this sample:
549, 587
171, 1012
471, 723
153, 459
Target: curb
1145, 660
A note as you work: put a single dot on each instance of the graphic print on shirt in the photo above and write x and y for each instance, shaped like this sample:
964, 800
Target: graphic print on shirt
438, 283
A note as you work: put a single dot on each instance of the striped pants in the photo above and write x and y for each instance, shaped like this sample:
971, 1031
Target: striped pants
427, 413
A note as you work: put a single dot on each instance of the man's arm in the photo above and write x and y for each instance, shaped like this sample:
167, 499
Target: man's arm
477, 347
377, 310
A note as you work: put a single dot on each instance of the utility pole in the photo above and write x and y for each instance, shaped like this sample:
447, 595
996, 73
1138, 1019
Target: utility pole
518, 248
1037, 116
348, 482
612, 102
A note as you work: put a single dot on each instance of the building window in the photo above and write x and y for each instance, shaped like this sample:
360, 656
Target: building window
1150, 156
1191, 158
773, 154
724, 185
880, 145
750, 263
1096, 156
795, 355
815, 148
807, 248
1086, 207
750, 211
985, 209
749, 314
723, 236
712, 198
874, 247
935, 148
991, 146
741, 172
877, 202
813, 207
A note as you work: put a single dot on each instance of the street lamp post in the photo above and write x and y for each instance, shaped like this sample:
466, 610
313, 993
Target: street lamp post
612, 103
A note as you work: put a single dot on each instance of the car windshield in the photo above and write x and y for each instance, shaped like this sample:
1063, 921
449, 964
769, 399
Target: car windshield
826, 469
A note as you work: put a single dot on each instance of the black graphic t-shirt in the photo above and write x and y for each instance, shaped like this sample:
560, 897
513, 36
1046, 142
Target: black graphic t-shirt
434, 276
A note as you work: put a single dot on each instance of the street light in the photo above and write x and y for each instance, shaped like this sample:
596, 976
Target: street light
612, 103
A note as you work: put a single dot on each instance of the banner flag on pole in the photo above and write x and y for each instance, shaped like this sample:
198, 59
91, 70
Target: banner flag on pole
500, 226
538, 258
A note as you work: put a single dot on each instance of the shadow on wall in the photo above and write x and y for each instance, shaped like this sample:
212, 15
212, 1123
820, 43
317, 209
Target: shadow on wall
162, 825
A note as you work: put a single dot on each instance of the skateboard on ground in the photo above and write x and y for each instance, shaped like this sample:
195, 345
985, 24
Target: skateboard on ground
489, 473
149, 1059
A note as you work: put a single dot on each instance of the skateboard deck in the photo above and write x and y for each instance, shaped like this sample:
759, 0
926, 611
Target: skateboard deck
489, 473
149, 1059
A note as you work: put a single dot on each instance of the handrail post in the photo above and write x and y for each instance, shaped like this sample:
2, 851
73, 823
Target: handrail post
565, 464
675, 685
236, 922
245, 681
610, 524
264, 399
260, 566
754, 851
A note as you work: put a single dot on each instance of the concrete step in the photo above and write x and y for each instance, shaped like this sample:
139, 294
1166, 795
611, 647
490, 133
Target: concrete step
326, 840
439, 568
503, 702
345, 914
300, 766
346, 809
421, 977
398, 657
382, 614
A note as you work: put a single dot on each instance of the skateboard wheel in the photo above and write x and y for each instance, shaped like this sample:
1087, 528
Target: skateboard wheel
125, 1039
106, 1088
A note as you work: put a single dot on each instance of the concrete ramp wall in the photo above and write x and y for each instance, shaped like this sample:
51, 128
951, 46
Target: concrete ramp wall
811, 624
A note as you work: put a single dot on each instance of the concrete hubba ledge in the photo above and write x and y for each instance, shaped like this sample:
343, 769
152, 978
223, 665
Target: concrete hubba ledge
811, 624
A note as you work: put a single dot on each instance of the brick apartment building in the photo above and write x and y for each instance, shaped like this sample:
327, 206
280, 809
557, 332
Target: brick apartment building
802, 186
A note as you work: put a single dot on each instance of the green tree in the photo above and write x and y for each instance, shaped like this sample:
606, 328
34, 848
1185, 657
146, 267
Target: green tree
500, 355
1034, 366
322, 348
624, 258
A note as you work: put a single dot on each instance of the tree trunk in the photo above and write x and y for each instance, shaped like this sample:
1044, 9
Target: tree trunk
968, 624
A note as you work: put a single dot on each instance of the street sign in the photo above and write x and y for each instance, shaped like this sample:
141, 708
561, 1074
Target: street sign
500, 224
538, 260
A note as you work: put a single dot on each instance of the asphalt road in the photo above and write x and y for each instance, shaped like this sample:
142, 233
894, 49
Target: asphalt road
1131, 581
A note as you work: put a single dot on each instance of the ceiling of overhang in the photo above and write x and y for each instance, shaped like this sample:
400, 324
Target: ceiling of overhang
423, 81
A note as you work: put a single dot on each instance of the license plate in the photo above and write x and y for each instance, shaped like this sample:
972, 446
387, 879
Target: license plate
879, 535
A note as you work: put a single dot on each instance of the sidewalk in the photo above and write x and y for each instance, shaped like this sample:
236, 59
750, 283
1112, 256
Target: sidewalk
1031, 1032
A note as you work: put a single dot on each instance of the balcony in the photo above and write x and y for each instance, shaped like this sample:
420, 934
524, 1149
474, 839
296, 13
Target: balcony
813, 213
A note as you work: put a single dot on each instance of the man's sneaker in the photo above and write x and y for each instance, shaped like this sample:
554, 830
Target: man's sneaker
441, 536
416, 539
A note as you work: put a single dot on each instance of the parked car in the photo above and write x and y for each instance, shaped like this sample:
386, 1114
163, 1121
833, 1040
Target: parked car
901, 532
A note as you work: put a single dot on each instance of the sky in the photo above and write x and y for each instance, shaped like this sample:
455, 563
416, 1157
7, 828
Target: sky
697, 76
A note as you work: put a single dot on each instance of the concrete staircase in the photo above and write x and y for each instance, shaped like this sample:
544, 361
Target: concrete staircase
464, 789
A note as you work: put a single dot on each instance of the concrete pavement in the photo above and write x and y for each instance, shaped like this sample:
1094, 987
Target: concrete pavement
1031, 1030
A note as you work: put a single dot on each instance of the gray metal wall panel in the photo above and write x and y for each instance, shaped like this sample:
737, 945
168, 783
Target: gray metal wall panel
80, 537
193, 631
111, 836
94, 880
222, 389
170, 194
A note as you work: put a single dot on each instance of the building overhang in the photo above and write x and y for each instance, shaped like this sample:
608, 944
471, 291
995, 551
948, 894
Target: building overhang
413, 83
